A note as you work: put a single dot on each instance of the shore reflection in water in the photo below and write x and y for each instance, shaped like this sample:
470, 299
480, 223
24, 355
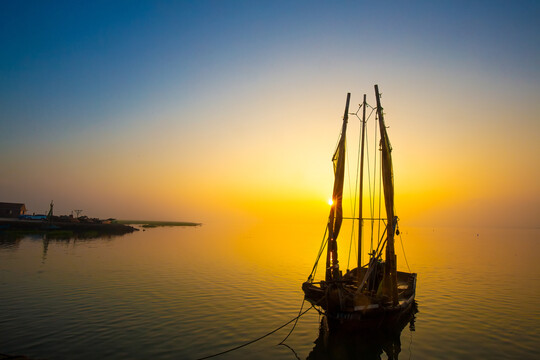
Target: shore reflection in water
12, 241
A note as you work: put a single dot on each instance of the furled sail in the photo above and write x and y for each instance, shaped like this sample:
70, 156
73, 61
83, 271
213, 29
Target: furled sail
389, 285
336, 211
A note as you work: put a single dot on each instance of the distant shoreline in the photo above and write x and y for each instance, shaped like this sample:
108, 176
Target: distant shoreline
156, 223
66, 229
17, 226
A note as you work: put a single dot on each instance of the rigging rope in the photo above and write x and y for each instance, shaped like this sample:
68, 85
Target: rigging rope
371, 195
371, 192
353, 207
358, 251
351, 242
402, 246
404, 256
321, 249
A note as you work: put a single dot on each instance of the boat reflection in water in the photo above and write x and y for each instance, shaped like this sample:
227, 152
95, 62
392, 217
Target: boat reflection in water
367, 344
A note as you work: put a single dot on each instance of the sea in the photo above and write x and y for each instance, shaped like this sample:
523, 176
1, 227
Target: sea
195, 292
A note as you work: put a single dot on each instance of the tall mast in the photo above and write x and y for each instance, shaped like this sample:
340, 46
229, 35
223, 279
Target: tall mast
389, 281
336, 211
360, 218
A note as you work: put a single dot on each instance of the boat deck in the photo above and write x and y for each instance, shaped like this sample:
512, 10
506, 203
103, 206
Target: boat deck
321, 293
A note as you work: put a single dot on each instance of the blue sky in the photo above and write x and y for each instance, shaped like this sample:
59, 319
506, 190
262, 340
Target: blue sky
118, 87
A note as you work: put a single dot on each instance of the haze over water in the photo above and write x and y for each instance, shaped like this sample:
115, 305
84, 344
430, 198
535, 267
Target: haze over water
190, 292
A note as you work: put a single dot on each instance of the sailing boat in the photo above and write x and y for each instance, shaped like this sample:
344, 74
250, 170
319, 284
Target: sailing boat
374, 294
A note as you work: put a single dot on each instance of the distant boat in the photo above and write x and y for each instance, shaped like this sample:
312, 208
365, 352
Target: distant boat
374, 294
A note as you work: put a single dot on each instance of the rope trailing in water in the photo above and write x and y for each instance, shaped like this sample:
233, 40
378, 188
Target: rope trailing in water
257, 339
294, 352
296, 322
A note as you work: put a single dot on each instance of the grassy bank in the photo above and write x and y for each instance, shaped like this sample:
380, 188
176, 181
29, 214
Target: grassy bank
149, 224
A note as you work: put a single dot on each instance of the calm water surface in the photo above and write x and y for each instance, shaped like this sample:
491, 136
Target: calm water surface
184, 293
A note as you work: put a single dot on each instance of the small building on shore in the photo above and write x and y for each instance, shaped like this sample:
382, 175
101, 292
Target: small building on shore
11, 210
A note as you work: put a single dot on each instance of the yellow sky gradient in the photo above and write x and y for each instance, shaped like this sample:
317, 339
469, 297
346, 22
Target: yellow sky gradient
452, 165
245, 129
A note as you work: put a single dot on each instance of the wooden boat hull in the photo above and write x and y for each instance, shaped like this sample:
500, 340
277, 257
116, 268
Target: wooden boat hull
342, 313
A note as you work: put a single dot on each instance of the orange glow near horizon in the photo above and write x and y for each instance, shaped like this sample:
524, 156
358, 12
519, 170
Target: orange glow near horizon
275, 170
224, 180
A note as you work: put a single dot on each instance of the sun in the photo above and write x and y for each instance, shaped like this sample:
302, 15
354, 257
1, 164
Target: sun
330, 202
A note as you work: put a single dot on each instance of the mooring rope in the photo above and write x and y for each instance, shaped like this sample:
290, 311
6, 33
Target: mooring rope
294, 352
257, 339
296, 322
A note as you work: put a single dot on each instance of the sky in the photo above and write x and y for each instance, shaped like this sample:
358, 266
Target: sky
213, 110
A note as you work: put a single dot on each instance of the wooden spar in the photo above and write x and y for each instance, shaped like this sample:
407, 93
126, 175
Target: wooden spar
360, 218
389, 286
346, 114
336, 213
